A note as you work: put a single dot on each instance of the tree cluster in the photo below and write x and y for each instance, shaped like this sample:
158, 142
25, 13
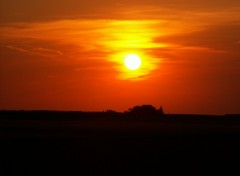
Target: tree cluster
146, 110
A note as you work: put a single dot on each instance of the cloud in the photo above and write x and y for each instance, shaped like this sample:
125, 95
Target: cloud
18, 49
36, 51
47, 51
221, 37
32, 11
91, 44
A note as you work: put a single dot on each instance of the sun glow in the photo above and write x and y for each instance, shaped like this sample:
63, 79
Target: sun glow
132, 48
132, 61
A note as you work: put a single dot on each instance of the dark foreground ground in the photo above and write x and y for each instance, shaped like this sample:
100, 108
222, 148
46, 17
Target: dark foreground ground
73, 143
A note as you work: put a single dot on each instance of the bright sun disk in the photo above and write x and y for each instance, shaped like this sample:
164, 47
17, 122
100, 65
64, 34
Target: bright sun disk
132, 62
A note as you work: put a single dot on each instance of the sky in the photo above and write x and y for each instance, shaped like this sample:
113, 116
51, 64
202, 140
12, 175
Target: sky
69, 55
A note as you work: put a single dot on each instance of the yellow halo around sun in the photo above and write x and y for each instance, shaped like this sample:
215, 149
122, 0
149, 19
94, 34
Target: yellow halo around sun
132, 61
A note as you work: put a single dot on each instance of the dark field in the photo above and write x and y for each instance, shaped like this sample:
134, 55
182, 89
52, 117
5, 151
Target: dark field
77, 143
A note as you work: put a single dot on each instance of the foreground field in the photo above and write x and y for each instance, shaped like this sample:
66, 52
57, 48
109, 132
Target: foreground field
53, 143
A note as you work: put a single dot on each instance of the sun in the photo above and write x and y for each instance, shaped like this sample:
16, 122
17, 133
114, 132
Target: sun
132, 61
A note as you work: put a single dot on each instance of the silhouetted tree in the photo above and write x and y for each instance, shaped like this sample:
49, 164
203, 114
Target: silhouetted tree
110, 111
144, 109
160, 110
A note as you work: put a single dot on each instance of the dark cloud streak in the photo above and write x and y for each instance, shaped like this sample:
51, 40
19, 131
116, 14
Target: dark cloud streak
47, 10
223, 37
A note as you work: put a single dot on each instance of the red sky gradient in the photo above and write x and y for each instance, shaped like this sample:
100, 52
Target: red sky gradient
68, 55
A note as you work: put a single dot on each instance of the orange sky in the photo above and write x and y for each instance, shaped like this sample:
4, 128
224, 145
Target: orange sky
68, 55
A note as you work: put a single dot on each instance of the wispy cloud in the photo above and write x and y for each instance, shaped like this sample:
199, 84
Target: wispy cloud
218, 37
36, 51
102, 41
29, 11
